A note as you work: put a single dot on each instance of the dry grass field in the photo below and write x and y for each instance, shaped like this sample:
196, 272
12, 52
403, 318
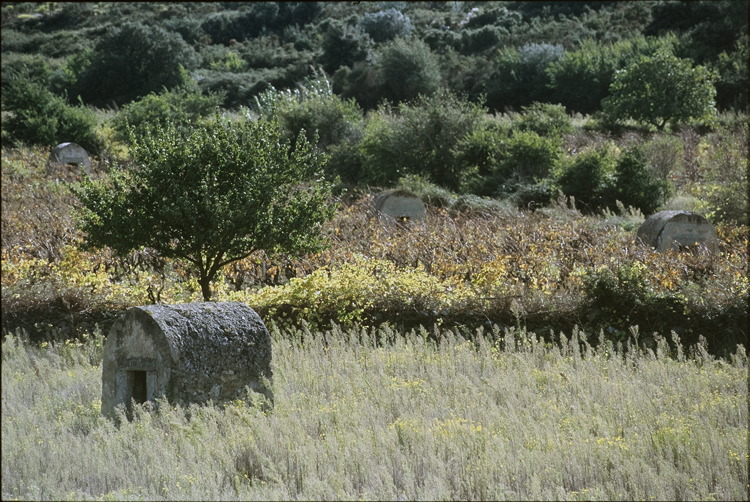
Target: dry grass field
375, 415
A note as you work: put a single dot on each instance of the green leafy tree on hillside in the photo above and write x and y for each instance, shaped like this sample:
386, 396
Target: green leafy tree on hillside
419, 138
409, 68
211, 195
131, 61
661, 89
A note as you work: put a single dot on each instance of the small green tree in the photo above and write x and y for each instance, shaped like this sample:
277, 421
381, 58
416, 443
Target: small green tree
419, 138
661, 89
409, 68
636, 185
131, 60
210, 195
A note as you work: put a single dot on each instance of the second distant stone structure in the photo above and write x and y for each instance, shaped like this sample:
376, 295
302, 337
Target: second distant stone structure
402, 205
676, 230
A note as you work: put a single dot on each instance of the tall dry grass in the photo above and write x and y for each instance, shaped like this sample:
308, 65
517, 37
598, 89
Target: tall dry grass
370, 415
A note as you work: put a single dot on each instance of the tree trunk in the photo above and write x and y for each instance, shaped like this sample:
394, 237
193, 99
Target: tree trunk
205, 282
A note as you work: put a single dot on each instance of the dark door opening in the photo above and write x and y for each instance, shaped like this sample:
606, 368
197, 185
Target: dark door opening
139, 387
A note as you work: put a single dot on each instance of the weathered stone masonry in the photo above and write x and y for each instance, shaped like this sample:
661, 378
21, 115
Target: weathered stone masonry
189, 353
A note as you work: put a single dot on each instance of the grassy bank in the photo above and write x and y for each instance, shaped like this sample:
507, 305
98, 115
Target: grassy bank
371, 415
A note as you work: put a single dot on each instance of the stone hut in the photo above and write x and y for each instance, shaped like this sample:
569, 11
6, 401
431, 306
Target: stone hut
66, 154
677, 229
401, 205
188, 353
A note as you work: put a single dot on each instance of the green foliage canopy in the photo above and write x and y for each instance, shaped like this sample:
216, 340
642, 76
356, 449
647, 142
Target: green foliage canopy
386, 25
42, 118
131, 61
520, 78
344, 45
661, 89
211, 195
419, 138
409, 68
180, 106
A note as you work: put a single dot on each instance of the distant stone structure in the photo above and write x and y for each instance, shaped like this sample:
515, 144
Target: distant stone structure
676, 230
65, 162
66, 154
402, 205
189, 353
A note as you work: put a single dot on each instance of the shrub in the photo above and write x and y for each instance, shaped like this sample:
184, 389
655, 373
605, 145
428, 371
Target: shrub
482, 38
545, 120
582, 78
34, 68
724, 194
440, 40
133, 60
636, 185
16, 41
419, 138
476, 153
386, 25
661, 89
532, 196
520, 78
180, 106
260, 18
408, 69
706, 29
732, 84
617, 294
314, 108
41, 118
361, 83
663, 154
223, 26
497, 16
188, 27
527, 157
343, 45
589, 177
239, 89
345, 160
522, 159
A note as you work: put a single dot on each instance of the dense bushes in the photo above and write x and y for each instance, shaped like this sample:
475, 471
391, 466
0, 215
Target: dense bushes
343, 45
255, 19
545, 120
511, 163
314, 108
636, 185
407, 69
521, 79
724, 194
582, 78
598, 178
131, 61
386, 25
418, 138
589, 177
41, 118
180, 106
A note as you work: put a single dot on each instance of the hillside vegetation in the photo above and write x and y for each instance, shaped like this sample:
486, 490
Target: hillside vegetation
532, 205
